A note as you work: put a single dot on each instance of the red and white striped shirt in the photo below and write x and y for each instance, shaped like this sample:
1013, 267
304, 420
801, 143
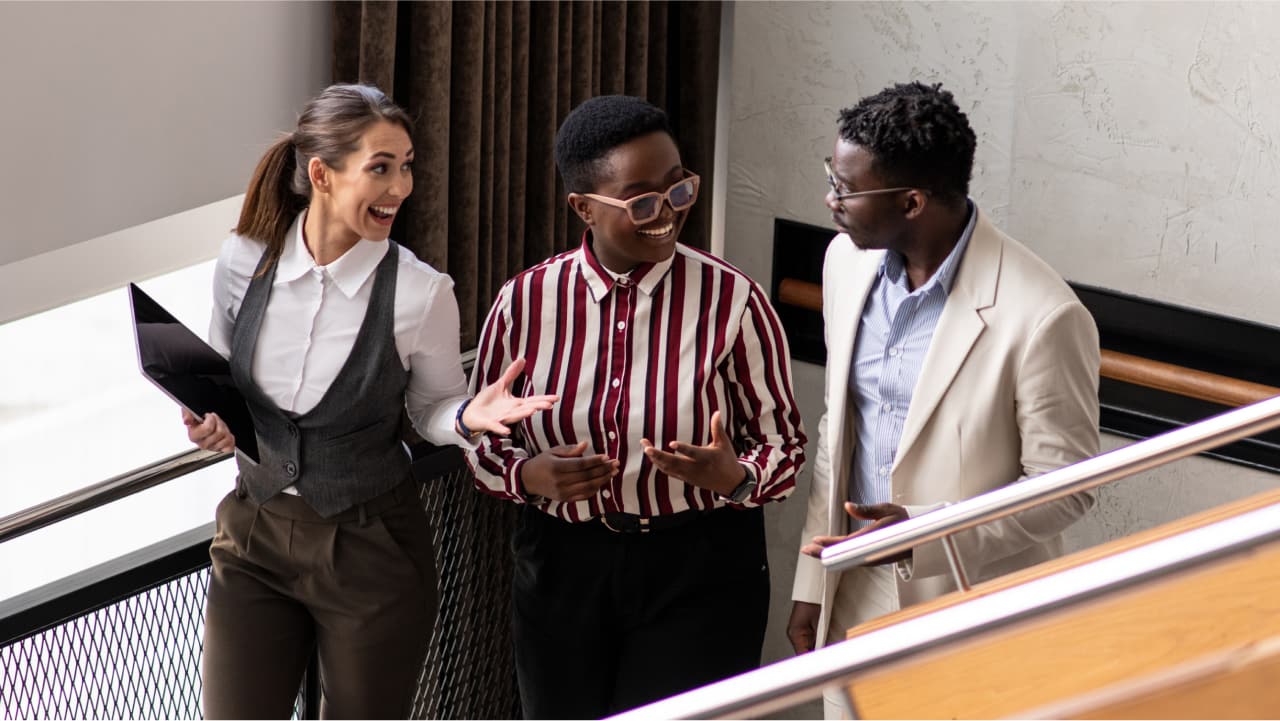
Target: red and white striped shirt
652, 355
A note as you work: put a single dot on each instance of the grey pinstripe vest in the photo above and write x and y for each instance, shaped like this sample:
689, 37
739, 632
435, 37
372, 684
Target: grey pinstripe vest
348, 448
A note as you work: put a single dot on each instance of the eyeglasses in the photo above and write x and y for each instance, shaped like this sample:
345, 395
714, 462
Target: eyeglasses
647, 206
834, 183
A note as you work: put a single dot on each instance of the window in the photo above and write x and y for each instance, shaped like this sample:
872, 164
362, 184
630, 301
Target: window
75, 410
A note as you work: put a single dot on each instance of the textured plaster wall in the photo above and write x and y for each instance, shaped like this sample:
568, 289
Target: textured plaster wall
1144, 149
1131, 145
1149, 499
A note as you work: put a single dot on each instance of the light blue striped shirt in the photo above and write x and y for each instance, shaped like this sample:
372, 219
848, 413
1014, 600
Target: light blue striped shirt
893, 337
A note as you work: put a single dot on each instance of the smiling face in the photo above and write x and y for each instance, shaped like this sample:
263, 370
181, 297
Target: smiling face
647, 164
364, 195
874, 221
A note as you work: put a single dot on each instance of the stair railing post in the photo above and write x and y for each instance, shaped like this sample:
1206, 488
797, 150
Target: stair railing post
957, 566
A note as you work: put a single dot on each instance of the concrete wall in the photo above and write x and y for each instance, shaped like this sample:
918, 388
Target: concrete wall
1131, 145
118, 114
1165, 494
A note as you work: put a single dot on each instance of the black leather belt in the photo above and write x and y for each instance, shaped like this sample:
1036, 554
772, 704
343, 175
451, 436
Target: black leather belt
631, 523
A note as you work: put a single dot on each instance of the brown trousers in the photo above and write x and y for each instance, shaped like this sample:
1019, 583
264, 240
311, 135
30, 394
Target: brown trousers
359, 589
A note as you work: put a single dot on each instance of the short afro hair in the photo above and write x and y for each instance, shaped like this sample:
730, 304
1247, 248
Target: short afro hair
596, 127
918, 137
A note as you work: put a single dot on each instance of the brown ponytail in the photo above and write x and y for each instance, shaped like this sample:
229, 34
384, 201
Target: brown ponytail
270, 204
329, 128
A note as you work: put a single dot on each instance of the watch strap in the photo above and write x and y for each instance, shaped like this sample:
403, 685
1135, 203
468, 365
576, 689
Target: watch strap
744, 489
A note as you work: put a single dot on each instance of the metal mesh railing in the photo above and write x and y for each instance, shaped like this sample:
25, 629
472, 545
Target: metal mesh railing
470, 671
140, 657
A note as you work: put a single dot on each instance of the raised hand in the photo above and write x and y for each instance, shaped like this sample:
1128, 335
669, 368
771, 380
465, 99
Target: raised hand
566, 473
714, 466
211, 434
494, 407
884, 514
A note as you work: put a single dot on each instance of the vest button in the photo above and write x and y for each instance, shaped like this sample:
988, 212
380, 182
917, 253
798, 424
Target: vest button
290, 469
293, 431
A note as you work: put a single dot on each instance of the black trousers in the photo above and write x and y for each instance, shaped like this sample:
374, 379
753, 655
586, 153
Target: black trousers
604, 622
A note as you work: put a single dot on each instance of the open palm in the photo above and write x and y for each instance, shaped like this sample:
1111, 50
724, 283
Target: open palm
494, 407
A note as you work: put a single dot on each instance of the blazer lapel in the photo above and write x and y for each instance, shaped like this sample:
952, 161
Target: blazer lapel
846, 286
958, 329
847, 299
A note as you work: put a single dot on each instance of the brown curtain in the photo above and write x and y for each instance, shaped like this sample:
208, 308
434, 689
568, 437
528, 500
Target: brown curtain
489, 83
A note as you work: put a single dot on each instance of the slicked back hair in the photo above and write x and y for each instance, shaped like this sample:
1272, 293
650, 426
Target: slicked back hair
330, 128
596, 127
917, 136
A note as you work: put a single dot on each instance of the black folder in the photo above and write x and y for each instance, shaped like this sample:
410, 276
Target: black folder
189, 370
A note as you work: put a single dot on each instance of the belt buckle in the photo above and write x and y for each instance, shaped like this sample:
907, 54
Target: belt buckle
642, 528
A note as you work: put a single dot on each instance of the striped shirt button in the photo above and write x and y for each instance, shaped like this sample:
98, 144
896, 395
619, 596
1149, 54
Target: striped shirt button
617, 382
613, 436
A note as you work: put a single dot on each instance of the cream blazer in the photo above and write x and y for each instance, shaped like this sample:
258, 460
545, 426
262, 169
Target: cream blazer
1008, 390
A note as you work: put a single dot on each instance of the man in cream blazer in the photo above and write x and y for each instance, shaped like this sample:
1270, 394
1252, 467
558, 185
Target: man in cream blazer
995, 361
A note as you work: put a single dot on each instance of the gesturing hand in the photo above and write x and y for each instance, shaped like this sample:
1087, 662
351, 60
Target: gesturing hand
564, 473
714, 466
884, 514
494, 407
211, 434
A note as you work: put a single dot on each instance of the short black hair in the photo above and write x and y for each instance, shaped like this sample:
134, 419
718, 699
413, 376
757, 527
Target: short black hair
597, 126
917, 135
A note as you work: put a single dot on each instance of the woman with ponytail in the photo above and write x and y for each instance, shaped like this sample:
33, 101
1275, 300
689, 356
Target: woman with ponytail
334, 335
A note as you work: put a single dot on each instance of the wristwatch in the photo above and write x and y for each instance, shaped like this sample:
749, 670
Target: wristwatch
744, 489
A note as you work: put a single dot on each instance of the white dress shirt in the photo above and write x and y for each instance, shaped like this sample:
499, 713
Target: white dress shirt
313, 316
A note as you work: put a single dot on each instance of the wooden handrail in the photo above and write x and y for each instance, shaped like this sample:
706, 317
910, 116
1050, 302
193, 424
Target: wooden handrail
1143, 630
1238, 683
1188, 382
1123, 367
801, 294
1208, 517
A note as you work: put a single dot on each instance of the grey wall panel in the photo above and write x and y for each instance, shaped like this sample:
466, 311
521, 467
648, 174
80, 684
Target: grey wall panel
115, 114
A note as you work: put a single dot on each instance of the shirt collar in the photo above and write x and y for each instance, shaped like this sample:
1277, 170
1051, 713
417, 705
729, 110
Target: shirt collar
894, 266
295, 259
600, 280
349, 272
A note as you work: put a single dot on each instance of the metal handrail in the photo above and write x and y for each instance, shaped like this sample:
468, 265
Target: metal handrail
1089, 473
100, 494
125, 484
756, 694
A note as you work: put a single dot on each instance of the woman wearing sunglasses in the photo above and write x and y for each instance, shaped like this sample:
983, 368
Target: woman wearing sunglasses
640, 554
